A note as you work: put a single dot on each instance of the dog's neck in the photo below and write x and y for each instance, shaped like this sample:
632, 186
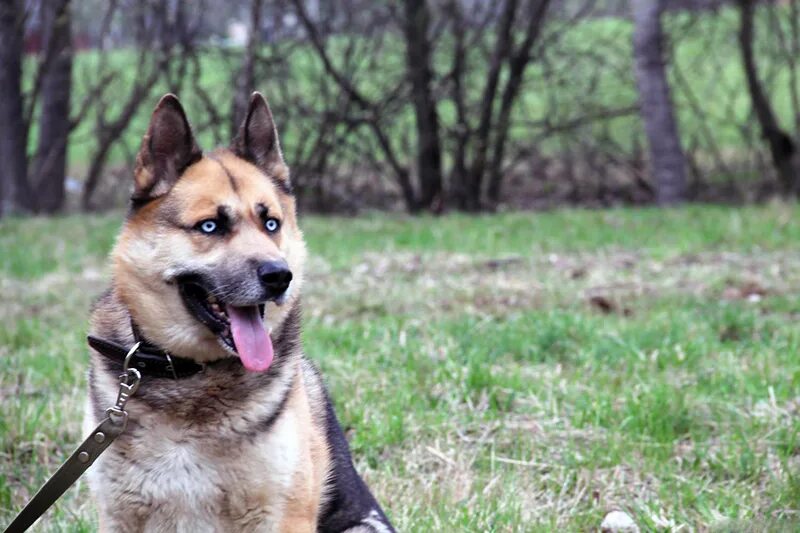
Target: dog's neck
187, 397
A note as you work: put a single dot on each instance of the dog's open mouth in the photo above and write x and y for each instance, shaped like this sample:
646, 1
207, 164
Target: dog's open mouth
240, 329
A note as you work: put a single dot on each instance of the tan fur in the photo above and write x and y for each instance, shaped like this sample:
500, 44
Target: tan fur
150, 240
276, 481
274, 484
226, 449
303, 500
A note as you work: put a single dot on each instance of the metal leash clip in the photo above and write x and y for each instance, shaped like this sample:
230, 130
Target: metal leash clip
128, 384
83, 457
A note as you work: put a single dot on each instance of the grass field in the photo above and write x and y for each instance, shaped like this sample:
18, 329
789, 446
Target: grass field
519, 372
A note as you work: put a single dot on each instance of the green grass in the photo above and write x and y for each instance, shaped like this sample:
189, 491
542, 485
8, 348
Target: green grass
34, 247
481, 387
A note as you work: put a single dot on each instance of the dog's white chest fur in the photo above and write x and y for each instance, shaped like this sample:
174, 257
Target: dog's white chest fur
176, 480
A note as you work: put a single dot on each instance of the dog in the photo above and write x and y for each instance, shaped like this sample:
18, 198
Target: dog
231, 428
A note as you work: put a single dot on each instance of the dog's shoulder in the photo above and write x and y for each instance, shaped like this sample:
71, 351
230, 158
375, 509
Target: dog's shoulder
348, 502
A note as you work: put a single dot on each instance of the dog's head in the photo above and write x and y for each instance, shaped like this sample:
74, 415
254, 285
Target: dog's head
210, 257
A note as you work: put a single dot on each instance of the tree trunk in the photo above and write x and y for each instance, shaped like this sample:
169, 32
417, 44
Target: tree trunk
109, 133
429, 153
781, 146
15, 194
472, 199
50, 165
517, 64
458, 173
667, 159
245, 83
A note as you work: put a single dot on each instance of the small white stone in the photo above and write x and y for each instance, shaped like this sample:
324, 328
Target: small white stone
618, 521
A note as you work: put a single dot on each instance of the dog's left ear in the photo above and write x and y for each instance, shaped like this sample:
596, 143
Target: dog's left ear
257, 141
168, 148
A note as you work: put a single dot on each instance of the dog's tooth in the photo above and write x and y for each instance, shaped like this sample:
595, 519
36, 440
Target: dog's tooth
212, 299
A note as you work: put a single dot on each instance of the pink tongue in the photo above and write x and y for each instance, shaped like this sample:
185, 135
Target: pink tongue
251, 339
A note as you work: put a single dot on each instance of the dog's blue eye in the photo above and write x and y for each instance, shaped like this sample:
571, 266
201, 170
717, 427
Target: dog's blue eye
208, 226
272, 225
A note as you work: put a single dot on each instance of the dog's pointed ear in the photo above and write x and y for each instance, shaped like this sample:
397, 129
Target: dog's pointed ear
257, 141
168, 148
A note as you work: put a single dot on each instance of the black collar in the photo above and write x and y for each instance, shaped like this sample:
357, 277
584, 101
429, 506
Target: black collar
148, 359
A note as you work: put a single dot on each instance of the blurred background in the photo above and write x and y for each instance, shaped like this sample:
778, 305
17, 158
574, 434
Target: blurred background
421, 105
554, 250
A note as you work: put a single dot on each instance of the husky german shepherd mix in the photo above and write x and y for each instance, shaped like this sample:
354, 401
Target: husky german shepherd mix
231, 429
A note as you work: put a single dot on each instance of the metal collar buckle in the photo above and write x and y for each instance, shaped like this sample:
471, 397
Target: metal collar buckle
128, 384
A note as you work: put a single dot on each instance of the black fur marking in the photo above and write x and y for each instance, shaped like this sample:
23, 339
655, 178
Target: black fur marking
287, 339
266, 423
224, 213
226, 220
350, 499
284, 186
231, 179
137, 203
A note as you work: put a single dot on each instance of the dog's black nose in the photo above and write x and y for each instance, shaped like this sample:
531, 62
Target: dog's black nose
275, 276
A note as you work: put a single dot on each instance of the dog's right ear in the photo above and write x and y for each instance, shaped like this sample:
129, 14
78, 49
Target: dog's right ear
168, 148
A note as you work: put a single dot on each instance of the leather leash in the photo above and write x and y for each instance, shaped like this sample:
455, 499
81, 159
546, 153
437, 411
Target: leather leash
82, 458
